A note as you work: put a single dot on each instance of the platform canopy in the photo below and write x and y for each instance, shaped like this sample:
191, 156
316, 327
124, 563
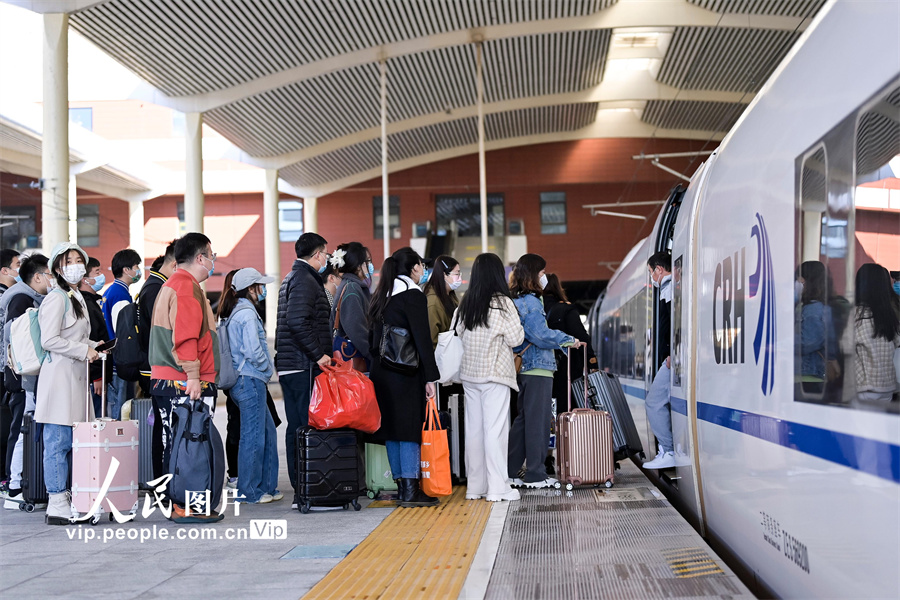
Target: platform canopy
294, 84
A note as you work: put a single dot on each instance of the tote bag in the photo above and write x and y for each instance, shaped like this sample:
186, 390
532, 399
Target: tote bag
448, 355
435, 454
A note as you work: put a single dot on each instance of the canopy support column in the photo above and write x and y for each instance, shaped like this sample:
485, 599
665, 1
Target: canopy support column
385, 198
482, 176
55, 148
272, 248
193, 191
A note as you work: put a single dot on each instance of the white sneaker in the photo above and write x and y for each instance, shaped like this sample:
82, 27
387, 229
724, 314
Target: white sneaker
472, 496
516, 482
663, 460
10, 504
508, 496
231, 483
549, 482
265, 499
277, 496
293, 506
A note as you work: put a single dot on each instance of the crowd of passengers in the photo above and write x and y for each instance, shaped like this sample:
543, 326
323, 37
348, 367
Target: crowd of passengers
505, 313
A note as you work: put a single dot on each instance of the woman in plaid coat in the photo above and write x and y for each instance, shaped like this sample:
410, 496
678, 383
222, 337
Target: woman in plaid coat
877, 330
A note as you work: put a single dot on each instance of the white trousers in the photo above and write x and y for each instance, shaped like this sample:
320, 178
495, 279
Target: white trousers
487, 437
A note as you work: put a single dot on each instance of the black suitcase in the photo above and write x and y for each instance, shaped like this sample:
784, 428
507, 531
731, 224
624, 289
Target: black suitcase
33, 489
605, 393
457, 442
327, 468
140, 410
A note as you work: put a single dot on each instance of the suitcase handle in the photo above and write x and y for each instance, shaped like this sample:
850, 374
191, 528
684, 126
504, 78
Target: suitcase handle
569, 376
90, 389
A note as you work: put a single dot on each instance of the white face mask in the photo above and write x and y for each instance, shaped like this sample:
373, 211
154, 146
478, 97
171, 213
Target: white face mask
73, 273
543, 281
455, 285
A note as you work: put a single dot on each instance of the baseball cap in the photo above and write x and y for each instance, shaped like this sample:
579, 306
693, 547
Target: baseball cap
246, 277
64, 247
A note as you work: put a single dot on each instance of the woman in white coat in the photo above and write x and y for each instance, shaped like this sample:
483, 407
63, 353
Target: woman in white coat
62, 384
488, 324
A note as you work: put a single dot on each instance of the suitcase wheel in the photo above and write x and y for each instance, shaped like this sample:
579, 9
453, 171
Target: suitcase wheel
371, 494
27, 507
609, 484
96, 519
304, 508
570, 487
346, 506
356, 506
557, 485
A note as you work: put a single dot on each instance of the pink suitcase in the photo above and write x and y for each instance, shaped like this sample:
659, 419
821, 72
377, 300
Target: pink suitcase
94, 446
584, 453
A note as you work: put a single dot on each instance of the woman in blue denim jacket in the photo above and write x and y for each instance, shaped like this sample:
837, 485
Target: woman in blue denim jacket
814, 334
258, 450
530, 432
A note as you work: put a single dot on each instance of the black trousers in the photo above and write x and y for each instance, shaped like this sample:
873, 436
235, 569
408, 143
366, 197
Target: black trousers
17, 412
232, 435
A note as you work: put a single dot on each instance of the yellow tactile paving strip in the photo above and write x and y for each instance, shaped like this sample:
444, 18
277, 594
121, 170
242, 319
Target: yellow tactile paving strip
414, 553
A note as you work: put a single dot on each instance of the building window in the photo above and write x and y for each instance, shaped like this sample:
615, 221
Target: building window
462, 213
290, 220
83, 117
18, 228
553, 212
88, 225
378, 223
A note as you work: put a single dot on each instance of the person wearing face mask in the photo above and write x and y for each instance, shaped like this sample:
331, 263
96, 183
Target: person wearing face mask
28, 293
302, 336
354, 263
529, 436
658, 400
65, 335
89, 286
440, 292
398, 301
331, 280
258, 448
9, 269
126, 268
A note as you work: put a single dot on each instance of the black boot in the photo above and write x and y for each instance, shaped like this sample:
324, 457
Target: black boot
411, 495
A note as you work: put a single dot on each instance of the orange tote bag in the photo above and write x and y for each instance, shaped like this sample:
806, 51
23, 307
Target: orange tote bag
435, 454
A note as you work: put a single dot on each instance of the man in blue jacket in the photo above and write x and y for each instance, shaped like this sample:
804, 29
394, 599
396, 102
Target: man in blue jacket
126, 268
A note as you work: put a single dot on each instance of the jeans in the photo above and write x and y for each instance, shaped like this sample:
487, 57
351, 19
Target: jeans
487, 437
297, 388
258, 450
659, 409
117, 392
404, 458
57, 447
529, 436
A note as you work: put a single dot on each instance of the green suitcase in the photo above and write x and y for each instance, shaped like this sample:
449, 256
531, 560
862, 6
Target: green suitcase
378, 471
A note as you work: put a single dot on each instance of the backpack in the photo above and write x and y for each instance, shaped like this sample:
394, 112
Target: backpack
197, 462
128, 353
25, 355
227, 373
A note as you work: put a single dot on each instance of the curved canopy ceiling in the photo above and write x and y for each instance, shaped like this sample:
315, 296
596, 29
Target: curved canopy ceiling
295, 83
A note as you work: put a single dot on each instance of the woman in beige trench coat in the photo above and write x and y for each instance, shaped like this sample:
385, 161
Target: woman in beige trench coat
62, 384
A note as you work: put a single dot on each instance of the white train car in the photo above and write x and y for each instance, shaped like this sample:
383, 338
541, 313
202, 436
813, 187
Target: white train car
798, 481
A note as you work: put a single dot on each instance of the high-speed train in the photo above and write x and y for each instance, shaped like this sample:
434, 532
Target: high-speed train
798, 483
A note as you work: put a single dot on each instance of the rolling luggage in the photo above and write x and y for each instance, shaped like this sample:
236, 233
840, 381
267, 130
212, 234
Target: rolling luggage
457, 434
94, 446
33, 489
584, 444
140, 411
604, 392
378, 471
327, 468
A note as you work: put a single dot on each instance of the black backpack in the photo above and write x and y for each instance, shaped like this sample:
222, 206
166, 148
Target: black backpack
128, 353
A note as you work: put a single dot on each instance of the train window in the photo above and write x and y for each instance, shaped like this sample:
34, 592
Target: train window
623, 339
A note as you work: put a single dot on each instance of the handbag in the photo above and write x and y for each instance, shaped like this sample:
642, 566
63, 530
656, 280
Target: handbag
448, 354
342, 345
398, 351
344, 397
517, 357
435, 455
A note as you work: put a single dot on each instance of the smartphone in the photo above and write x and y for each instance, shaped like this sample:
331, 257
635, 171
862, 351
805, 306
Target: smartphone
106, 346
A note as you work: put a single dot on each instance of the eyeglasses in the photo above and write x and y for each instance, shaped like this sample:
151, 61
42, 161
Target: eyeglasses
212, 258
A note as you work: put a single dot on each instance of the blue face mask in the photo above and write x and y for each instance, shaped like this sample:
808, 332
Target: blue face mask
19, 280
262, 294
896, 287
322, 268
371, 269
425, 275
99, 282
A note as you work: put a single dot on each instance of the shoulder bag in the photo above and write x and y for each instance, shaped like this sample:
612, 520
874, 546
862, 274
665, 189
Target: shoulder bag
398, 351
448, 354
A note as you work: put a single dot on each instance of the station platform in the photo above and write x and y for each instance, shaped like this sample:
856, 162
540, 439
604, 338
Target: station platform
623, 542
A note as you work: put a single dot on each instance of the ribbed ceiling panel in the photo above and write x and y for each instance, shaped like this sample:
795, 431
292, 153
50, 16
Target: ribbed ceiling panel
403, 145
686, 114
781, 8
878, 135
336, 104
193, 47
726, 59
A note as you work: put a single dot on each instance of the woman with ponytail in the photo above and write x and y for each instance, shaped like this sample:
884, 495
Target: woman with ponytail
62, 385
398, 301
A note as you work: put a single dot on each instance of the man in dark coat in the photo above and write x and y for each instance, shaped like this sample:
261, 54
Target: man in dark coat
303, 336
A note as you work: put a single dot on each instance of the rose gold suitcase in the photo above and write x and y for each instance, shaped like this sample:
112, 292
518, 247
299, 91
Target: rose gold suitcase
584, 453
94, 446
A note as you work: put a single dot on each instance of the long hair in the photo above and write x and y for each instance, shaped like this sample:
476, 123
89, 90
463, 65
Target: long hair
874, 291
555, 288
814, 282
230, 296
442, 265
399, 263
488, 281
525, 278
64, 285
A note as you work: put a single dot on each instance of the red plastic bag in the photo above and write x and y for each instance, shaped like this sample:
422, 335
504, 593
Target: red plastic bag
435, 454
344, 397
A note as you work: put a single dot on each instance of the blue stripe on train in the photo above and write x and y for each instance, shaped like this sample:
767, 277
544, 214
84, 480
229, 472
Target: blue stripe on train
862, 454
